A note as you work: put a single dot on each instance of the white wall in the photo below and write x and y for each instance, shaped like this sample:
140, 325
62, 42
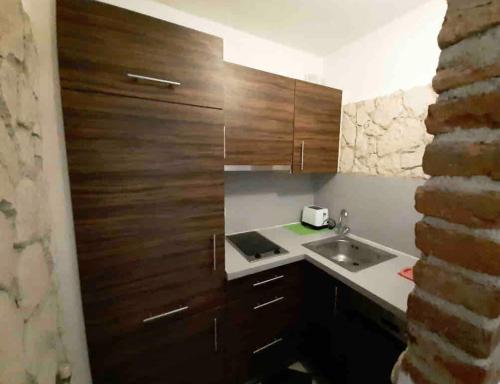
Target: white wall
400, 55
239, 47
264, 199
381, 208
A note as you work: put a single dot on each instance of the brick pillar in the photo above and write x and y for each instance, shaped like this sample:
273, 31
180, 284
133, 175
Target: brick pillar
454, 311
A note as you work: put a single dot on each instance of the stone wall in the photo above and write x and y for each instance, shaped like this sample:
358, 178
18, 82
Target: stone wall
386, 135
30, 338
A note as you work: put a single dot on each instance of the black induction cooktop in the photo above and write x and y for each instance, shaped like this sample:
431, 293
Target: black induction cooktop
254, 246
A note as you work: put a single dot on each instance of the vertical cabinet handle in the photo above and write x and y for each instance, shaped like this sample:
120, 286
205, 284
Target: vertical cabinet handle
335, 302
216, 336
214, 252
224, 141
302, 156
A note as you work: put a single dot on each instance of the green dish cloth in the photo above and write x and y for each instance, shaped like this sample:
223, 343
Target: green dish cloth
300, 229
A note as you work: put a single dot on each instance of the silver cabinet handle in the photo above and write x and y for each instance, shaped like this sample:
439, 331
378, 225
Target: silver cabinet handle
216, 341
214, 252
335, 302
269, 302
302, 156
267, 345
163, 81
269, 280
224, 141
152, 318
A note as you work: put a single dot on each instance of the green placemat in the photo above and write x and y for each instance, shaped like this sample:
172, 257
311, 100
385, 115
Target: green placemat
300, 229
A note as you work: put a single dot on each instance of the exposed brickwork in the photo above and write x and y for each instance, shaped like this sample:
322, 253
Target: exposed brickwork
478, 210
457, 304
432, 352
458, 76
417, 376
472, 339
467, 17
463, 159
468, 251
479, 298
455, 310
473, 112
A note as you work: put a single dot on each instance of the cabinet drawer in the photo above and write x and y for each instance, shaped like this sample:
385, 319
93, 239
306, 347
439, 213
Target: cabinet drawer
253, 321
154, 302
273, 353
270, 356
290, 275
105, 48
164, 351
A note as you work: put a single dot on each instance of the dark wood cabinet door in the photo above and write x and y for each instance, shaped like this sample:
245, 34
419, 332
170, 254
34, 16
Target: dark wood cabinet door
263, 319
182, 350
147, 186
101, 45
258, 117
316, 128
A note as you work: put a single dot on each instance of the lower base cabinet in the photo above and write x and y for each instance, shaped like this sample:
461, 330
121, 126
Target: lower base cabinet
349, 338
177, 350
263, 318
268, 321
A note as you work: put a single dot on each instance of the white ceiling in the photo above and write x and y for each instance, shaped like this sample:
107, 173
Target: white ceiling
315, 26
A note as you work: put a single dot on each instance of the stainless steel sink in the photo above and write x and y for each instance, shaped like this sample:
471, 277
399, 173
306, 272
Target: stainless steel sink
348, 253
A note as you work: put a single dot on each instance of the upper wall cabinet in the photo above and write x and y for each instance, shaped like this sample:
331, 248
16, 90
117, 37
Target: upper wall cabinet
316, 128
110, 50
258, 108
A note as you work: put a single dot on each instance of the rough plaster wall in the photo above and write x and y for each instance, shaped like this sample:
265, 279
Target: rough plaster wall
30, 344
386, 135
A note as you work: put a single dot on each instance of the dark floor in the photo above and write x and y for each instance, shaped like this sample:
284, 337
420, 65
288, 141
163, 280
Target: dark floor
304, 367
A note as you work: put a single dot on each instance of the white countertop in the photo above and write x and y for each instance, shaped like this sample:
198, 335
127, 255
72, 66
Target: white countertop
381, 283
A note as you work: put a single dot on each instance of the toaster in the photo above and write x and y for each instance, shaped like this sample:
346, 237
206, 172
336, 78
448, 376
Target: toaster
314, 216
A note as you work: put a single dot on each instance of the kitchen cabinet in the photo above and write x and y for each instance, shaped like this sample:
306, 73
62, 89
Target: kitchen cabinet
148, 209
112, 50
258, 109
264, 313
275, 122
146, 174
344, 330
316, 128
183, 349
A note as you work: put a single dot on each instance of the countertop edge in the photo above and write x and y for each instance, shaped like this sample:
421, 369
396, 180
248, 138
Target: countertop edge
396, 308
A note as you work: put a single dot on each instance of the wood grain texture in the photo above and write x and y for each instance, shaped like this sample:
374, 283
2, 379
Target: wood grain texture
247, 329
99, 44
147, 188
174, 351
317, 124
258, 110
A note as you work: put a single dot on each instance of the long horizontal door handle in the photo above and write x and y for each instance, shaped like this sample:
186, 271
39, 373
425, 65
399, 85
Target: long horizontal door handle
170, 313
269, 302
269, 280
267, 346
154, 79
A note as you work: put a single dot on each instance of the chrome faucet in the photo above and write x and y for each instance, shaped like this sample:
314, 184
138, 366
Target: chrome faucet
341, 228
